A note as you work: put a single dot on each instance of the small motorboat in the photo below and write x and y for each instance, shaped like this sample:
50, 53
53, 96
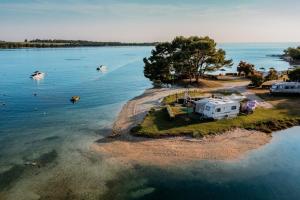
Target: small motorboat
74, 99
37, 75
102, 68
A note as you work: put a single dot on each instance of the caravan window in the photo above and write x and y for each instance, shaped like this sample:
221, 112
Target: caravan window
218, 110
233, 107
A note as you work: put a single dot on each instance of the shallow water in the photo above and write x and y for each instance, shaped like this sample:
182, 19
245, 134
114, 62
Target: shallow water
32, 128
271, 172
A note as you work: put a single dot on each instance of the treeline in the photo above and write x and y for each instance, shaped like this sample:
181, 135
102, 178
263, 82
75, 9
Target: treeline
37, 43
293, 53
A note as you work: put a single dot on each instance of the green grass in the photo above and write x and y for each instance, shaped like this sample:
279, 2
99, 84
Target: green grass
157, 124
284, 114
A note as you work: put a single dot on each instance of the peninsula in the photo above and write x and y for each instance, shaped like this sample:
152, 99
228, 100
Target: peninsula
158, 114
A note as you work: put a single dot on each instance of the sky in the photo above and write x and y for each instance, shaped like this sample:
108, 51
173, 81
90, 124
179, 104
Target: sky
151, 20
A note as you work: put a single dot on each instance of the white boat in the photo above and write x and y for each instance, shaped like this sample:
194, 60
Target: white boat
37, 75
102, 68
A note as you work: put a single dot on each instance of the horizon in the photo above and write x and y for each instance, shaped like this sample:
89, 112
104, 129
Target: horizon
279, 42
226, 21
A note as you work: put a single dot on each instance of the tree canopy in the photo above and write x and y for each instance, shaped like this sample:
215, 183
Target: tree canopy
190, 57
246, 68
257, 79
294, 75
294, 53
272, 75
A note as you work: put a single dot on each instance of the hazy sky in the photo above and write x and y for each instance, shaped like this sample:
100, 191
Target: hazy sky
146, 20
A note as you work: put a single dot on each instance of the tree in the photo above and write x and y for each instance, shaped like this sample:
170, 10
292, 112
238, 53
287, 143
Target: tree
199, 55
190, 57
272, 75
295, 75
246, 68
294, 53
257, 79
157, 66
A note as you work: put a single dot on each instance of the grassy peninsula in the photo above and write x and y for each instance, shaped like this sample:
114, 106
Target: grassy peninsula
188, 60
284, 114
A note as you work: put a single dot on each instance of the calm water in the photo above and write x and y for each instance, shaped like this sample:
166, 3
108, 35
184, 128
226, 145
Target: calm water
47, 127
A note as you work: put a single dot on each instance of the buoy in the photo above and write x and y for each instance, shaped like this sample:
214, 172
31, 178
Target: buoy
74, 99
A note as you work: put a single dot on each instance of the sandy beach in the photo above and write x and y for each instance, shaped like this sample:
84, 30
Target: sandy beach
168, 151
165, 151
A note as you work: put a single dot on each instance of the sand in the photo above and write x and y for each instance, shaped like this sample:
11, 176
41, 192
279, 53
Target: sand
169, 151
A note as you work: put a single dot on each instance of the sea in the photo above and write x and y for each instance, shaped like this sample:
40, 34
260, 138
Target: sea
45, 139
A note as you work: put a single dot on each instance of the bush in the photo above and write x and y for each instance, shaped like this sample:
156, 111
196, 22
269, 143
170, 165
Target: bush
293, 53
157, 84
295, 74
257, 79
272, 75
245, 68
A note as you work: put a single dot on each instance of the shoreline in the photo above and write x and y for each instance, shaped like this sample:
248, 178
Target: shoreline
231, 145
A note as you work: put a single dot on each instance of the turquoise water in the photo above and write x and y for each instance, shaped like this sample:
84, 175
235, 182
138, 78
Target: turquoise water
49, 128
259, 54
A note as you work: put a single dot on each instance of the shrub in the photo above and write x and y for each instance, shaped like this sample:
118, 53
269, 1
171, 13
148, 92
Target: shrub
295, 74
245, 68
157, 84
257, 79
272, 75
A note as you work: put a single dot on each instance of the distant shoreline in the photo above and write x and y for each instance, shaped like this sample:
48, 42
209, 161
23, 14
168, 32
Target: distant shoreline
66, 44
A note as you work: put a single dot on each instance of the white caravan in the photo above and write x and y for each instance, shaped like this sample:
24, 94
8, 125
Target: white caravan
217, 108
286, 88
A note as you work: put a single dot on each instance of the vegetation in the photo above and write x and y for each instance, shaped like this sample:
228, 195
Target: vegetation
64, 43
157, 124
294, 53
183, 58
245, 68
295, 74
272, 75
257, 79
